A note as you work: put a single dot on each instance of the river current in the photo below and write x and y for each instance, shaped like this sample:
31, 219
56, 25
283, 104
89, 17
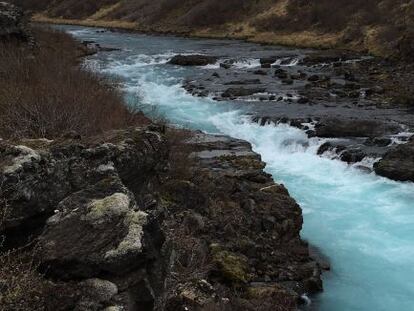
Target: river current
363, 223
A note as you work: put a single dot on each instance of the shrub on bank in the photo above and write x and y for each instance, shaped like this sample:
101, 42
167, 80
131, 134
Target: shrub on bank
46, 93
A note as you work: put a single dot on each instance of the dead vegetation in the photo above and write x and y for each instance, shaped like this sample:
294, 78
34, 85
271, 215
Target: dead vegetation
21, 287
383, 28
46, 93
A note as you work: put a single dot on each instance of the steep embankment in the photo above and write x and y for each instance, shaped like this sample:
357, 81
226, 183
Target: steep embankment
380, 27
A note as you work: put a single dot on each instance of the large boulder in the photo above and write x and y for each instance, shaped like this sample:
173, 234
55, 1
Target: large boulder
35, 175
99, 229
192, 60
398, 163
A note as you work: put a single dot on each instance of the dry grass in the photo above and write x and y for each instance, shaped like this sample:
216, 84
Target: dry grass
116, 24
21, 286
46, 93
348, 23
181, 162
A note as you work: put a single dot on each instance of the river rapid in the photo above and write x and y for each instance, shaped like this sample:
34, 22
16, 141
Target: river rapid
362, 222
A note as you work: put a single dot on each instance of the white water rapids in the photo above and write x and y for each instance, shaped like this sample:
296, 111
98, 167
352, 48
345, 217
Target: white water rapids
362, 222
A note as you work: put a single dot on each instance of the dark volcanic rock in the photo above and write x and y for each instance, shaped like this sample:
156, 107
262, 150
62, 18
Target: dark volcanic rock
325, 148
240, 91
268, 60
118, 220
398, 163
243, 82
336, 128
260, 72
38, 174
98, 229
352, 155
225, 65
281, 74
258, 245
192, 60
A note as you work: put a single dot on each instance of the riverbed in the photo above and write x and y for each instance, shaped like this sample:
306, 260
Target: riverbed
363, 223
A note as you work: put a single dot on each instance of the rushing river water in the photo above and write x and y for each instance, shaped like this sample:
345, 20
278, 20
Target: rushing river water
363, 223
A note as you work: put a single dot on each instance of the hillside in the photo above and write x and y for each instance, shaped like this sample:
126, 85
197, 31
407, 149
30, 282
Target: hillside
383, 28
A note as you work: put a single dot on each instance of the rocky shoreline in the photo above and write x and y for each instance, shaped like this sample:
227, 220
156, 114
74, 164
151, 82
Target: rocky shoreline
147, 218
117, 231
156, 218
347, 98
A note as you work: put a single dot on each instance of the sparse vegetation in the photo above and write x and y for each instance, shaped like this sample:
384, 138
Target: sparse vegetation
46, 93
21, 286
379, 27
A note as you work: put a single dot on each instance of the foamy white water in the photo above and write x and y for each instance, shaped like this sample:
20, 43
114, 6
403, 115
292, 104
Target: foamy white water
362, 222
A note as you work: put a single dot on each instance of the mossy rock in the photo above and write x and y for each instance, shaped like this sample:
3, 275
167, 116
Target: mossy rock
233, 267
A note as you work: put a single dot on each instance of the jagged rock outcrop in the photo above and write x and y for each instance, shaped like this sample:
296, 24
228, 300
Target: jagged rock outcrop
12, 22
122, 228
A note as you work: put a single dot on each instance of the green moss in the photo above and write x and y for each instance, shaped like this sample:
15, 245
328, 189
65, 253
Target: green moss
132, 242
107, 208
233, 267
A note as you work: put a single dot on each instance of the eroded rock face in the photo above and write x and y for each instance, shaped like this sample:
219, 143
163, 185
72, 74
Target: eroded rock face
114, 223
12, 22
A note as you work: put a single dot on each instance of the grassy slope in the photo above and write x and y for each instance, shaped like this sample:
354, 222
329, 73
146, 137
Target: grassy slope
383, 28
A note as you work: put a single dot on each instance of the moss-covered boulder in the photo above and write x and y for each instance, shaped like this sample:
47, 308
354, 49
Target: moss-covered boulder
232, 268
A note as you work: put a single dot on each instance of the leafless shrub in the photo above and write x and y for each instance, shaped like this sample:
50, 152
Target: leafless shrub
21, 286
180, 154
46, 93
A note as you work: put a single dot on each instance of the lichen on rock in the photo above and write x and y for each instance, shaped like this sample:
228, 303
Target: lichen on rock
132, 242
25, 155
115, 205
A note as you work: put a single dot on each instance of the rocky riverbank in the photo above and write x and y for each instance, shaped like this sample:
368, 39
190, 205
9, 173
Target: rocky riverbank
325, 88
144, 218
118, 229
353, 101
